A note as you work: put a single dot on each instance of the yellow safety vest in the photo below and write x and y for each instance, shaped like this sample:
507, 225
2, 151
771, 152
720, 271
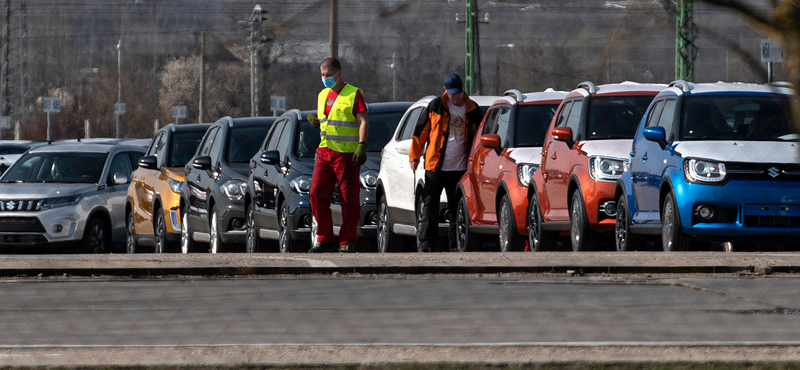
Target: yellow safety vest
339, 130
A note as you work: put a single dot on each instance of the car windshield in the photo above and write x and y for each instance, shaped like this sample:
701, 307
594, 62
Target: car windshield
616, 117
381, 129
184, 144
307, 140
737, 118
73, 168
243, 143
532, 123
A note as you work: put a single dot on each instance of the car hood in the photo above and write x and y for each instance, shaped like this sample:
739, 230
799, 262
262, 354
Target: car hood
176, 173
620, 148
238, 171
9, 158
526, 155
41, 191
740, 151
373, 161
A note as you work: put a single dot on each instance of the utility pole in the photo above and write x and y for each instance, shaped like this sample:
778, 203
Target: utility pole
202, 77
394, 76
119, 84
254, 24
23, 61
4, 70
685, 39
472, 63
334, 29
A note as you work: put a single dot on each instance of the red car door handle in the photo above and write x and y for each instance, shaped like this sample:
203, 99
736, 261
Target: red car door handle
554, 156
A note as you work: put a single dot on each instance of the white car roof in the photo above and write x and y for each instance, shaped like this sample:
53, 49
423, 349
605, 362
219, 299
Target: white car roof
510, 96
626, 86
728, 87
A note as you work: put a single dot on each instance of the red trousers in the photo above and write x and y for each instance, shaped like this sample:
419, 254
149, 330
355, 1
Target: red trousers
330, 168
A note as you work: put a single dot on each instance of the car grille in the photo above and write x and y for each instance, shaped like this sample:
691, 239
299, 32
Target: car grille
21, 205
771, 215
763, 171
21, 225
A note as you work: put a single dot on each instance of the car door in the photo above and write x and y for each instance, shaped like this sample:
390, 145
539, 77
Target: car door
490, 167
477, 161
652, 164
274, 173
265, 200
115, 194
143, 178
559, 159
401, 179
196, 179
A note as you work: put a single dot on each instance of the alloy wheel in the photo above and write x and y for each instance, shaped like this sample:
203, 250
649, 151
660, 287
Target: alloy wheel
383, 237
130, 237
251, 231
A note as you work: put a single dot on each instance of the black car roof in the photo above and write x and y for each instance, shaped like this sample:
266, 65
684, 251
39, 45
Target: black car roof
247, 121
191, 127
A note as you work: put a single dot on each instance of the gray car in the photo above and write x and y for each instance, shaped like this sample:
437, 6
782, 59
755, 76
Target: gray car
69, 194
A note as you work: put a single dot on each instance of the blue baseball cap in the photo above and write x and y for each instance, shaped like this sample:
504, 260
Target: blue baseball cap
453, 84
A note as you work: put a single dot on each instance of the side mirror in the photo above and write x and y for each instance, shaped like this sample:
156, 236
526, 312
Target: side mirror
491, 141
119, 179
270, 157
655, 133
562, 134
202, 163
403, 147
148, 162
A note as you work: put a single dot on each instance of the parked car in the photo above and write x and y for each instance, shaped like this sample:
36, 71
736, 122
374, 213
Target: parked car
399, 189
715, 161
212, 196
11, 150
585, 152
494, 192
67, 195
276, 198
152, 211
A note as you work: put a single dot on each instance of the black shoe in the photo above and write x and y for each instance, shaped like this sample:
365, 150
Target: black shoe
322, 248
347, 248
424, 247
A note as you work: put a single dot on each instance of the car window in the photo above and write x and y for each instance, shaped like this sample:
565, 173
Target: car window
121, 163
667, 118
216, 146
272, 140
531, 124
489, 122
502, 126
655, 113
58, 167
135, 157
182, 148
562, 116
409, 124
381, 127
736, 117
284, 141
209, 140
616, 117
161, 151
244, 142
574, 119
308, 141
151, 150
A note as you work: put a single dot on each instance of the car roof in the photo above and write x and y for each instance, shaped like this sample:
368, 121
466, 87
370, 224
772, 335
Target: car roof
587, 88
680, 87
397, 106
247, 121
298, 114
190, 127
65, 147
481, 100
514, 96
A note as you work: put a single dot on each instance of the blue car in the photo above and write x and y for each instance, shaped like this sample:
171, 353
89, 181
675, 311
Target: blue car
712, 162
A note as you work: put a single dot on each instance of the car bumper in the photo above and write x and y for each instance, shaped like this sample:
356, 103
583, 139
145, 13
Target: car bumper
741, 209
599, 193
60, 225
232, 222
300, 221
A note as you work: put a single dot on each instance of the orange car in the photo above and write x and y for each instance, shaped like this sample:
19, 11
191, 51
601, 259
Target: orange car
494, 190
586, 150
152, 211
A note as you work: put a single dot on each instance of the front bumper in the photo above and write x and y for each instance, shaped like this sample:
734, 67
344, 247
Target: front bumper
594, 195
59, 225
232, 225
765, 209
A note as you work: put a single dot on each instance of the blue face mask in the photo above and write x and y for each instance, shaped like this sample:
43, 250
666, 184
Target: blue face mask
329, 82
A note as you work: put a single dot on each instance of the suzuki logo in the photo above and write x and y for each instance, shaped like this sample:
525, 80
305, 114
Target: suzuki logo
10, 205
774, 172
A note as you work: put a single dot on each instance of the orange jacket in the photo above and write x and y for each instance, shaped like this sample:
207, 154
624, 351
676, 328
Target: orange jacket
433, 131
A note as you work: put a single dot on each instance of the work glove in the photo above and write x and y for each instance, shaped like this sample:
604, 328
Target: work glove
360, 155
313, 120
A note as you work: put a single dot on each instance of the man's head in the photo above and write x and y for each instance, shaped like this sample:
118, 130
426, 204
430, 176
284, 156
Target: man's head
330, 68
454, 88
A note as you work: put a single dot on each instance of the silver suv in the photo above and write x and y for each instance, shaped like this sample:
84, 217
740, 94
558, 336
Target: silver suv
70, 194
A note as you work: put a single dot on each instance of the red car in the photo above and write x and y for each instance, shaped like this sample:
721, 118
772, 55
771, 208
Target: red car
494, 191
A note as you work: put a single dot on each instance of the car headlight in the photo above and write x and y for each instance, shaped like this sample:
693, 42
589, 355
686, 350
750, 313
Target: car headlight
701, 171
369, 179
301, 184
233, 189
176, 185
605, 169
56, 202
525, 173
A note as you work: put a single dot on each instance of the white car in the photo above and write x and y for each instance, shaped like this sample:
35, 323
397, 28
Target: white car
11, 150
399, 188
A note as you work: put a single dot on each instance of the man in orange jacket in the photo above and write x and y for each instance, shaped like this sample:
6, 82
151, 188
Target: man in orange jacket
449, 130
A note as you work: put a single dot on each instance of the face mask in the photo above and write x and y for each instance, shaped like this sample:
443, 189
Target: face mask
329, 82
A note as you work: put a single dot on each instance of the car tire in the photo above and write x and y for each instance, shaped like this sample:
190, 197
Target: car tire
285, 242
388, 241
624, 239
253, 242
217, 245
162, 245
673, 238
466, 241
539, 240
508, 237
130, 234
582, 237
97, 236
188, 245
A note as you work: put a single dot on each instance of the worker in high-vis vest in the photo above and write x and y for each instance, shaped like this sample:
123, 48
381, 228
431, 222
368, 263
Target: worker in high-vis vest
344, 130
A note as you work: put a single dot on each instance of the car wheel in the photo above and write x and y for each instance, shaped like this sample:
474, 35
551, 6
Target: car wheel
130, 234
466, 241
217, 245
539, 240
583, 238
509, 238
388, 241
625, 240
285, 241
187, 244
162, 245
673, 238
420, 217
254, 243
96, 237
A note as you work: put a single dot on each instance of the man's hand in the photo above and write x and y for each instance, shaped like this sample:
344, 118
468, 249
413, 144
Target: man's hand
414, 166
313, 120
360, 155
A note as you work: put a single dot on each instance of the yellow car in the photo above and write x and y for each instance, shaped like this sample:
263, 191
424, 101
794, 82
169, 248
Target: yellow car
152, 210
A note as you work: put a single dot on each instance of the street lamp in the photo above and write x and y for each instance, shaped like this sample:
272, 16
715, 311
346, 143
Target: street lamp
498, 47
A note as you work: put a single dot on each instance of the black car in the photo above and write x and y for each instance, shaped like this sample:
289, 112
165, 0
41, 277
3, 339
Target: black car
277, 188
383, 120
212, 198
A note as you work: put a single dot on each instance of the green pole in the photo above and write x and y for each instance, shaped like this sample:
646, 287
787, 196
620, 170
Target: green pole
469, 63
684, 41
